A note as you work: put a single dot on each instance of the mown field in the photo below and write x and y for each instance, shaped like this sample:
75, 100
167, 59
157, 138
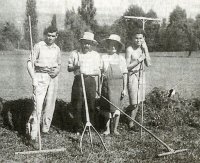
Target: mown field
176, 120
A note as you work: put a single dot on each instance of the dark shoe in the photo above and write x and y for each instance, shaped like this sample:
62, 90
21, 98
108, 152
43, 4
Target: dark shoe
45, 133
134, 129
33, 143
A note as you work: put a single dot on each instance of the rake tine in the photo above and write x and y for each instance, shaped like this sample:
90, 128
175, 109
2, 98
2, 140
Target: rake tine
172, 152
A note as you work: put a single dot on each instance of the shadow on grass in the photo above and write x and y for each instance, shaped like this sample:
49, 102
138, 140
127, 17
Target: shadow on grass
15, 115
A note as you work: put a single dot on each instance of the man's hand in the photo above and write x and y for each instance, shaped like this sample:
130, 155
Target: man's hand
123, 94
54, 72
141, 58
144, 46
34, 83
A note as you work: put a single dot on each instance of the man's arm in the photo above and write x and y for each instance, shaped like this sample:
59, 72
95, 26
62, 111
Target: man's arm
72, 66
30, 63
147, 60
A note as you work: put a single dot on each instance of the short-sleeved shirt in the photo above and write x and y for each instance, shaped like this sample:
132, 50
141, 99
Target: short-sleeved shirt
46, 56
113, 59
89, 62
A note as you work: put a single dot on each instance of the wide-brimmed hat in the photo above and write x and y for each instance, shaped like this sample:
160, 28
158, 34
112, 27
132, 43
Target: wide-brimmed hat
116, 38
89, 37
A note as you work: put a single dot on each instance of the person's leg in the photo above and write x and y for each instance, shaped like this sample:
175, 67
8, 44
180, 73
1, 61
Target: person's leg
77, 102
38, 96
50, 105
90, 86
107, 131
107, 116
116, 117
134, 109
134, 97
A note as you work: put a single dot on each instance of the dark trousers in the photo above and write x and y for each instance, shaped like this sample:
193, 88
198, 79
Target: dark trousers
77, 99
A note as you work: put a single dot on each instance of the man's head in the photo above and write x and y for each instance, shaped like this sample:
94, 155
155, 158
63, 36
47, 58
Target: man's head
87, 41
51, 34
138, 37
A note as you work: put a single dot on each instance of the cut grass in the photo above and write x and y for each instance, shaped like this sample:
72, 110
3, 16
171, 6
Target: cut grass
128, 147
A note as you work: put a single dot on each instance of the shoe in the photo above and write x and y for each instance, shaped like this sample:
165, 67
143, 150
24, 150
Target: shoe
116, 133
33, 143
45, 133
106, 133
133, 128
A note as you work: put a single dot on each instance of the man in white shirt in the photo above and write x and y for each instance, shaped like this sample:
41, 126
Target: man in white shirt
44, 66
86, 61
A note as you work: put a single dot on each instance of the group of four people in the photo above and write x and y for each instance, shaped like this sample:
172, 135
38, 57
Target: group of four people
116, 74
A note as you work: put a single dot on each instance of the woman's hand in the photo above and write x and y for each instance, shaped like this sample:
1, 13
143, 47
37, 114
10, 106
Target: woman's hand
54, 72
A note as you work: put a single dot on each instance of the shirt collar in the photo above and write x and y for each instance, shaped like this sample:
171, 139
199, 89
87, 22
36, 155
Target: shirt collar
45, 44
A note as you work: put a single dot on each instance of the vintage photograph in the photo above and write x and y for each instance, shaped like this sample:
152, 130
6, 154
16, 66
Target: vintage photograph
100, 81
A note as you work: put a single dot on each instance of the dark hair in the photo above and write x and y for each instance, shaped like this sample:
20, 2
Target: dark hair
50, 29
139, 31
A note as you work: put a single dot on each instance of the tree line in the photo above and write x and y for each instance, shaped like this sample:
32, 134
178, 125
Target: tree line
178, 33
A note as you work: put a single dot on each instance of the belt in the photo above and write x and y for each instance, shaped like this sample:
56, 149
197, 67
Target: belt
42, 69
134, 71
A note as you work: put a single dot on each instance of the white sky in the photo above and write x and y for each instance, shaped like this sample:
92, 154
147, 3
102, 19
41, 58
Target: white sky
118, 7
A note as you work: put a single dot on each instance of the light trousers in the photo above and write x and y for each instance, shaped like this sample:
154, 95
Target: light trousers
44, 96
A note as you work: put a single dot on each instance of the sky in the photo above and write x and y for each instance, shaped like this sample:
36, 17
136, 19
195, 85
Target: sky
107, 10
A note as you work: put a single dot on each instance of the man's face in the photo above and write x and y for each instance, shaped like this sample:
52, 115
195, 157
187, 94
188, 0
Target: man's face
86, 46
51, 37
138, 39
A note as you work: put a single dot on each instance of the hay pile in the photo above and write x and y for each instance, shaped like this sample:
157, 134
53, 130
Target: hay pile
167, 113
161, 112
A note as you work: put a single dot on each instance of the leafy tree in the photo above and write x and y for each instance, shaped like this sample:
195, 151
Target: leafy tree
9, 37
151, 29
87, 11
53, 21
177, 36
160, 38
65, 40
101, 33
197, 30
31, 11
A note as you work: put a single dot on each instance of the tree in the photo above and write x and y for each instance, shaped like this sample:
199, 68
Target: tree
53, 24
53, 21
177, 38
9, 37
151, 29
31, 11
125, 28
87, 11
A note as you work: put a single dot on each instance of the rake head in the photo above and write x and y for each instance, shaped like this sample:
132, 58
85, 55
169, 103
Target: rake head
171, 152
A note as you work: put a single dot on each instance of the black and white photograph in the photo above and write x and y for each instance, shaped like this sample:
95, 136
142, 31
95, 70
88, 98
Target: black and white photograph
100, 81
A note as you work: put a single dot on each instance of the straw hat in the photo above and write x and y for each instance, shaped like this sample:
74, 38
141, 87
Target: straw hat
88, 36
114, 37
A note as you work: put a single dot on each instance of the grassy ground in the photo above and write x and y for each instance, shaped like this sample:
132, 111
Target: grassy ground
175, 121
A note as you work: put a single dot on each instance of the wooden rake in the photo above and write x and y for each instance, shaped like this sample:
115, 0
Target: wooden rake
170, 150
88, 123
38, 118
